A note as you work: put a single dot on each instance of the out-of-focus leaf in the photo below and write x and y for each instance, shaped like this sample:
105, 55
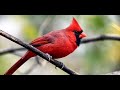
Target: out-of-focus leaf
6, 61
29, 32
114, 46
114, 29
97, 23
3, 66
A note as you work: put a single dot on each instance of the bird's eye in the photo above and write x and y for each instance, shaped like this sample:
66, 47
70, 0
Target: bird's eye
75, 31
78, 32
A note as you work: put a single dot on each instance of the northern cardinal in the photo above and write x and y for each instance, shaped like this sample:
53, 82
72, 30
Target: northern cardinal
58, 44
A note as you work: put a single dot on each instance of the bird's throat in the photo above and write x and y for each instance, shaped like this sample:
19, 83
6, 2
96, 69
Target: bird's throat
78, 40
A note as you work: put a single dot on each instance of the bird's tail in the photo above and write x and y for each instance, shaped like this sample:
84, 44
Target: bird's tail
18, 64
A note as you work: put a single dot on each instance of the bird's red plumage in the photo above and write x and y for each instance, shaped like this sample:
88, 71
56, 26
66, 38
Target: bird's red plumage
58, 44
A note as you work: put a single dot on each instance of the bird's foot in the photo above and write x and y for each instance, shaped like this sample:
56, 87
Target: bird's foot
49, 57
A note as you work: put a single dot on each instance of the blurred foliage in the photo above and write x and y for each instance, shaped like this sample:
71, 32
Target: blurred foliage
5, 64
29, 32
92, 58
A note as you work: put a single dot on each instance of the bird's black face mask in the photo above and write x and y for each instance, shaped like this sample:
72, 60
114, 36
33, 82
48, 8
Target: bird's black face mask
77, 34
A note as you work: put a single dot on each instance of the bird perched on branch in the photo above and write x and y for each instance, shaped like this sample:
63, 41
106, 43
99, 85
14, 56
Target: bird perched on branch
58, 44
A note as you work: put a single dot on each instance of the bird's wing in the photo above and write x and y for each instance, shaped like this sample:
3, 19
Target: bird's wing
40, 41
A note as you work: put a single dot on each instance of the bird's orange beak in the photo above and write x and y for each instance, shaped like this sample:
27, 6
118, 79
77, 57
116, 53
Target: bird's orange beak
82, 35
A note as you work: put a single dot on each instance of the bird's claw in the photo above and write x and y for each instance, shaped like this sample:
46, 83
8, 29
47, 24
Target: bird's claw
49, 57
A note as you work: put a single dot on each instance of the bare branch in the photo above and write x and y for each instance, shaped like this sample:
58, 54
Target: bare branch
17, 54
11, 50
101, 38
38, 52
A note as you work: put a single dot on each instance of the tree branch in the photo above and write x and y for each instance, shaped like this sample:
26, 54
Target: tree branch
101, 38
38, 52
11, 50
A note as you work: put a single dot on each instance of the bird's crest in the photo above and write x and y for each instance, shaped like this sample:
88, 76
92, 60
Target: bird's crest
74, 25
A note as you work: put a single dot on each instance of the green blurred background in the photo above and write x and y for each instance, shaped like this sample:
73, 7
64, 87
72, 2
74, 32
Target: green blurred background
89, 59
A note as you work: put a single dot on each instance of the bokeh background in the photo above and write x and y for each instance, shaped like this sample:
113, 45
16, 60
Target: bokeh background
89, 59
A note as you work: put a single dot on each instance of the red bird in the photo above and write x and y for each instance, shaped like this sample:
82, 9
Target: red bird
58, 44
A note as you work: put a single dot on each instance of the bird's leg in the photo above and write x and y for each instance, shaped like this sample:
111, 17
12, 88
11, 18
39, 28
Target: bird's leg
50, 57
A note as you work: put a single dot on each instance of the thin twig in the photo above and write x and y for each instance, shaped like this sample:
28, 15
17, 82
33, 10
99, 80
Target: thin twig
101, 38
17, 54
11, 50
38, 52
